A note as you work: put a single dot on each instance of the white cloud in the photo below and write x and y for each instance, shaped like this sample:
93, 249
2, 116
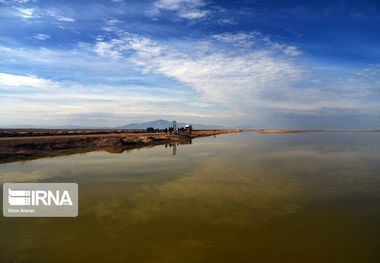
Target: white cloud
65, 19
42, 36
249, 75
105, 49
27, 13
26, 81
33, 13
16, 1
113, 22
292, 51
361, 83
187, 9
218, 73
30, 97
227, 79
240, 39
357, 92
226, 21
60, 17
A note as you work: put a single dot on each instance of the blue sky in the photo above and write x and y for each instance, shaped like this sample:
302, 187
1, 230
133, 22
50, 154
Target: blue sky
258, 64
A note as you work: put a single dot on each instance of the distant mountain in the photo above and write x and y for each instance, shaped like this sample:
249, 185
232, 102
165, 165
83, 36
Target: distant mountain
161, 124
158, 124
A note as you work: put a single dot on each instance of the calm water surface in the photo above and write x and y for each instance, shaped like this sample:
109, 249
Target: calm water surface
235, 198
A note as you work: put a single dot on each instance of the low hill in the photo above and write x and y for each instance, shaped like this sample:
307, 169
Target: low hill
161, 124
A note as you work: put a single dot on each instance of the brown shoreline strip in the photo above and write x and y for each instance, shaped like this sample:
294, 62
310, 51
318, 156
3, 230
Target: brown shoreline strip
24, 148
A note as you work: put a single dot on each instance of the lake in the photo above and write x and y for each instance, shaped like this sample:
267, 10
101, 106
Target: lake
248, 197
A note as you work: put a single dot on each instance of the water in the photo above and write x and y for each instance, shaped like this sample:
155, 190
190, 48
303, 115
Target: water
235, 198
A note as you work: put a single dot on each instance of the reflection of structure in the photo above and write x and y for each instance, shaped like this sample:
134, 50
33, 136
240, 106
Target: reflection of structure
177, 144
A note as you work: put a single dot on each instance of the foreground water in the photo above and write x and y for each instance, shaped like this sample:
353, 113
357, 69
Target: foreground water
235, 198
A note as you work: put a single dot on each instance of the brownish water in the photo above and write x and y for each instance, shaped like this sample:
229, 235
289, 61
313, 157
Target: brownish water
234, 198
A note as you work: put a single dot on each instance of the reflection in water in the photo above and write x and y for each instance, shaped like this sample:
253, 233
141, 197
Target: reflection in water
174, 145
233, 198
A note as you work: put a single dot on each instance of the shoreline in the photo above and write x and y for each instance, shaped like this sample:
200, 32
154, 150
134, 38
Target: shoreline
19, 148
29, 144
305, 131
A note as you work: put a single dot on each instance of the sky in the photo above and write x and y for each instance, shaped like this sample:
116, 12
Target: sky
244, 64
